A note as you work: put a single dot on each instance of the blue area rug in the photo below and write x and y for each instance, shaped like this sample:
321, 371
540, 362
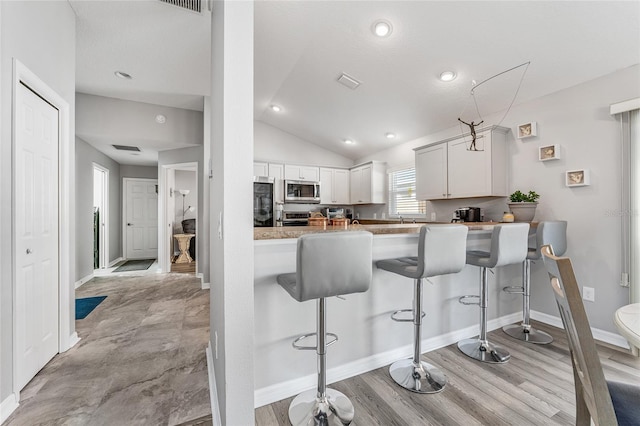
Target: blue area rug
86, 305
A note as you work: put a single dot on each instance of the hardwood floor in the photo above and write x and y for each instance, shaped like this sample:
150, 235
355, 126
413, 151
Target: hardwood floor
534, 388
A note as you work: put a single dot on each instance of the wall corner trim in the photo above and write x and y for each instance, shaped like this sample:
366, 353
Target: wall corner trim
118, 260
213, 391
73, 340
84, 280
8, 406
602, 335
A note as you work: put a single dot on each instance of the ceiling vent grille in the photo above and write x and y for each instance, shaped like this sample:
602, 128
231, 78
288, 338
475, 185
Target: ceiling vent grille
192, 5
126, 148
347, 80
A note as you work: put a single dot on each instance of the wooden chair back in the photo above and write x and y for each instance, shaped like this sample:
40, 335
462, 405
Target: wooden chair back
593, 400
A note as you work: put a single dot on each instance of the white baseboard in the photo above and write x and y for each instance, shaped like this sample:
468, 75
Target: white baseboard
84, 280
603, 336
203, 285
113, 262
8, 406
213, 390
289, 388
73, 340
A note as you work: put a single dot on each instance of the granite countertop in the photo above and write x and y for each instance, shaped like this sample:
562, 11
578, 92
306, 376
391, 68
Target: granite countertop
284, 232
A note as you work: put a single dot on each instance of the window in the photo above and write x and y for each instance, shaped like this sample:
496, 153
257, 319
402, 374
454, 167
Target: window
402, 194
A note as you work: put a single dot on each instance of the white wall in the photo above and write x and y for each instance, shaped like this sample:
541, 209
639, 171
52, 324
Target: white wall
578, 119
274, 145
86, 155
141, 172
42, 36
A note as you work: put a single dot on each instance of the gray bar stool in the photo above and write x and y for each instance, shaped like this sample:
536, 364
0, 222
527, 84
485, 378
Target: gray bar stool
553, 233
441, 250
508, 246
327, 264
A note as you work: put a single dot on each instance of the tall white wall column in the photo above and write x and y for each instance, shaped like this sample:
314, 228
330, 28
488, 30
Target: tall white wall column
231, 218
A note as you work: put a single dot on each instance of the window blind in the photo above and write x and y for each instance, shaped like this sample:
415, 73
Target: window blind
402, 193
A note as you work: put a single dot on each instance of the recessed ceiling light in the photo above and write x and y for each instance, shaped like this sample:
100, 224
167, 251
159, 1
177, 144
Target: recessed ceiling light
276, 108
390, 135
382, 28
348, 141
448, 76
161, 119
123, 75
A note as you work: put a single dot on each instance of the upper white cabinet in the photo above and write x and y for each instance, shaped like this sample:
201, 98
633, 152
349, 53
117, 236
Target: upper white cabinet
260, 169
450, 170
276, 171
308, 173
368, 183
334, 186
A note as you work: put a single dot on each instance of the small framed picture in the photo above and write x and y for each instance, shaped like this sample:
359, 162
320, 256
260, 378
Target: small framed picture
549, 152
527, 130
577, 177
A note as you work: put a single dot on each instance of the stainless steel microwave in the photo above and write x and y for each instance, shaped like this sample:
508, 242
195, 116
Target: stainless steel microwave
301, 191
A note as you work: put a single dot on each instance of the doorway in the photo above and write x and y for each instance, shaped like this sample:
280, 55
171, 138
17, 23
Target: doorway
179, 213
100, 217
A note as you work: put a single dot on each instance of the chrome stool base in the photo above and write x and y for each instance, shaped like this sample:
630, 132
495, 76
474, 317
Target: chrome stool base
484, 351
423, 378
530, 335
335, 409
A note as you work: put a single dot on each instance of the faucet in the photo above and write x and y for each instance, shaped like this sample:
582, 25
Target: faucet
401, 219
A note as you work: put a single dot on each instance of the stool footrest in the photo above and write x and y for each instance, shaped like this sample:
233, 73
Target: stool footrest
513, 289
299, 347
402, 311
465, 300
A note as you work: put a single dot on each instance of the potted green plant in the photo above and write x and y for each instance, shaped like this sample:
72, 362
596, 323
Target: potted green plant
523, 206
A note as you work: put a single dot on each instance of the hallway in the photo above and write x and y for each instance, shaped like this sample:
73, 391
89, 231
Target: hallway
141, 359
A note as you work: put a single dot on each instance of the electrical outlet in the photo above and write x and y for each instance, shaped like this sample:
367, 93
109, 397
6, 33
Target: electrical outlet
589, 294
433, 216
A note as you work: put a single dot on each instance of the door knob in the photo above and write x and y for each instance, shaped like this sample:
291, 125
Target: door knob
28, 251
129, 224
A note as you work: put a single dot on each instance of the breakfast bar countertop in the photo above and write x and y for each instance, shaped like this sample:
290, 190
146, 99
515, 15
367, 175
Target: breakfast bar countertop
283, 232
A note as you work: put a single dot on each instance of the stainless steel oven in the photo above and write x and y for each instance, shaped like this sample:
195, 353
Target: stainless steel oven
301, 191
295, 218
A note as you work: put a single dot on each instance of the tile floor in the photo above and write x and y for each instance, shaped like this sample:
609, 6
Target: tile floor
141, 360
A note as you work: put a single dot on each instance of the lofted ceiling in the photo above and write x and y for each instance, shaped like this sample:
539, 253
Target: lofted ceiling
302, 47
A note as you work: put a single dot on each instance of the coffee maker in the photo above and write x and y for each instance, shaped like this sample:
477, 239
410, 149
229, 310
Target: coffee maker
467, 214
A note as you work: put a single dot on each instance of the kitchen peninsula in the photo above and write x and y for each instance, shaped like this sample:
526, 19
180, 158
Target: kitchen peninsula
368, 338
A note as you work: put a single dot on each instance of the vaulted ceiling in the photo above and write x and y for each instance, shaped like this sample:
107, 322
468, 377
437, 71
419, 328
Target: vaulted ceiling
302, 47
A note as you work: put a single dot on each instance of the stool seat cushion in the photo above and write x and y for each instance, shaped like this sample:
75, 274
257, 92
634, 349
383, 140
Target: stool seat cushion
405, 266
330, 264
479, 258
441, 251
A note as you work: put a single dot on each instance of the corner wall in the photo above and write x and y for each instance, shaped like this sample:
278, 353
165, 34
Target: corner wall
86, 155
41, 35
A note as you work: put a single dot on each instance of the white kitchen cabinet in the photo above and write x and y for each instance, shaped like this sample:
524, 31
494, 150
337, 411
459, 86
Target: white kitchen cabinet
431, 172
276, 171
307, 173
449, 170
368, 183
260, 169
334, 186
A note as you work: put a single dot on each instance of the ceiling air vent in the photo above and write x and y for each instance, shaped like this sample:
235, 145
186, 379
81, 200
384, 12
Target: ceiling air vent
192, 5
347, 80
126, 148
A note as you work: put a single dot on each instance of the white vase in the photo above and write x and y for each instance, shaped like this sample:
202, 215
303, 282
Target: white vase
523, 212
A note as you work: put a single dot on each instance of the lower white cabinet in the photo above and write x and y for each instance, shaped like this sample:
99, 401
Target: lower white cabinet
368, 183
450, 169
334, 186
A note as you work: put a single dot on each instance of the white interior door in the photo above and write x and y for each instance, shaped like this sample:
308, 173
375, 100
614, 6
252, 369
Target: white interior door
36, 233
141, 218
